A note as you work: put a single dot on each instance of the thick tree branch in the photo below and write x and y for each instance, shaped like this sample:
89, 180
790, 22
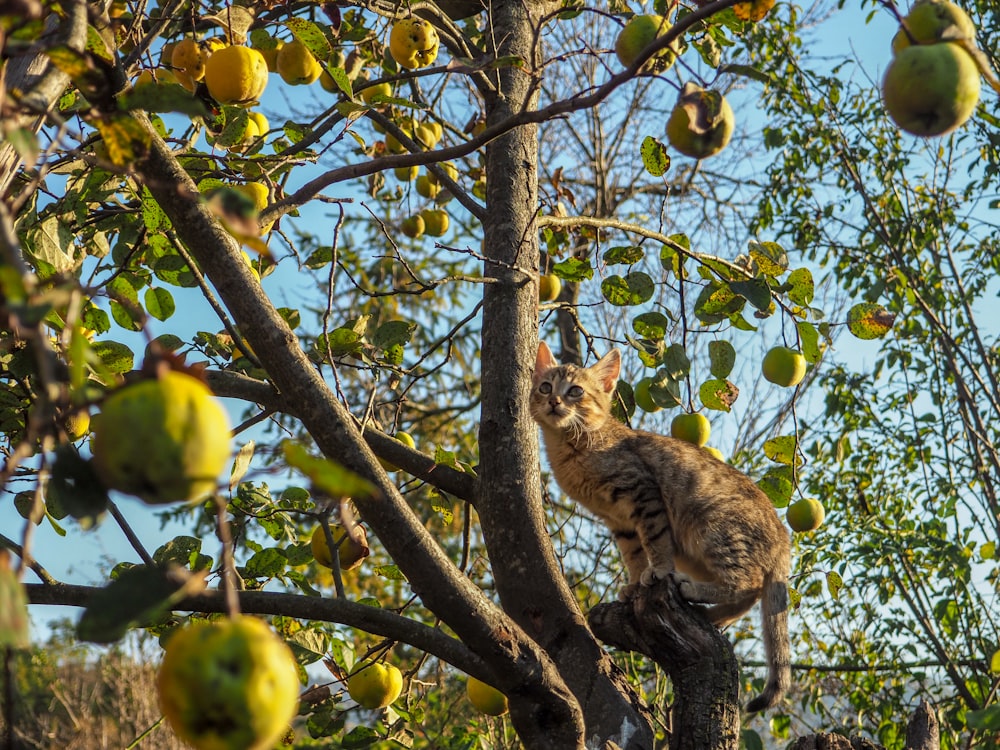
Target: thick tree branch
698, 658
445, 478
341, 611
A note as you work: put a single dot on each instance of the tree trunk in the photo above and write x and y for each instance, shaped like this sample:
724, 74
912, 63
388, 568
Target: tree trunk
697, 656
528, 579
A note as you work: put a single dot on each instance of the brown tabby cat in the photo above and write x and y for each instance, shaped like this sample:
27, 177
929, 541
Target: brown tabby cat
672, 507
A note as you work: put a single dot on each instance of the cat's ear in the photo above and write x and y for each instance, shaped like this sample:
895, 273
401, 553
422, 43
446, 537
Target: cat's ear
544, 360
607, 370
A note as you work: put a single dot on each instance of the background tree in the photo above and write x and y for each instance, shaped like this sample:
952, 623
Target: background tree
347, 330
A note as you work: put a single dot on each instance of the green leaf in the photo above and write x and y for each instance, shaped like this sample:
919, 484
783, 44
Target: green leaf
722, 358
184, 551
139, 596
782, 449
634, 288
780, 725
809, 339
676, 362
340, 342
116, 357
867, 320
746, 71
311, 35
13, 607
987, 719
308, 645
777, 485
159, 303
988, 552
390, 572
164, 97
995, 662
770, 257
756, 291
327, 475
651, 325
655, 157
25, 143
267, 563
573, 269
627, 255
716, 303
360, 737
125, 307
74, 485
52, 243
339, 76
801, 286
834, 584
751, 740
241, 463
718, 394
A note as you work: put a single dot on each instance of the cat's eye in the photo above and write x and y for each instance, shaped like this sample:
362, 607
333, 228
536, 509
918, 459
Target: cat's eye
575, 392
545, 388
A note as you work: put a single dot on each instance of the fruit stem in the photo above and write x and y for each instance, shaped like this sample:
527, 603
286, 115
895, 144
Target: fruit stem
228, 561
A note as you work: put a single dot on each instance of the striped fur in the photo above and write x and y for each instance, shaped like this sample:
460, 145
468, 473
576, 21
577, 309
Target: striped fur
671, 506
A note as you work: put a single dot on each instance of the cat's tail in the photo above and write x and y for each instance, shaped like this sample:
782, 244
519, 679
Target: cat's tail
774, 626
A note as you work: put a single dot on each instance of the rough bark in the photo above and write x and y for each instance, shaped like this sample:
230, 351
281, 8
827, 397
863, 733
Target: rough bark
527, 576
41, 83
922, 731
921, 734
697, 656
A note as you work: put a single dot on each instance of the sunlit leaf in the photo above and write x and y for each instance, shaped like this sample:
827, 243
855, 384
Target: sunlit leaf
159, 303
651, 325
115, 356
573, 269
125, 139
801, 287
655, 157
770, 257
780, 725
718, 394
390, 572
834, 583
867, 320
329, 476
628, 255
782, 449
809, 340
632, 289
311, 35
241, 464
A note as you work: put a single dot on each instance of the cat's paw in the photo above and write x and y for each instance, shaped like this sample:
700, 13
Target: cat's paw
628, 593
685, 585
651, 575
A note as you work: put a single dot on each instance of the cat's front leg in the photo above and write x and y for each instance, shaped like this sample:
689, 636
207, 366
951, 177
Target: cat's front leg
633, 555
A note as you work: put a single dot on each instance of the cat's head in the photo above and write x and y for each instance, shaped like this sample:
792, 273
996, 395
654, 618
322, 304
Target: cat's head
574, 399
